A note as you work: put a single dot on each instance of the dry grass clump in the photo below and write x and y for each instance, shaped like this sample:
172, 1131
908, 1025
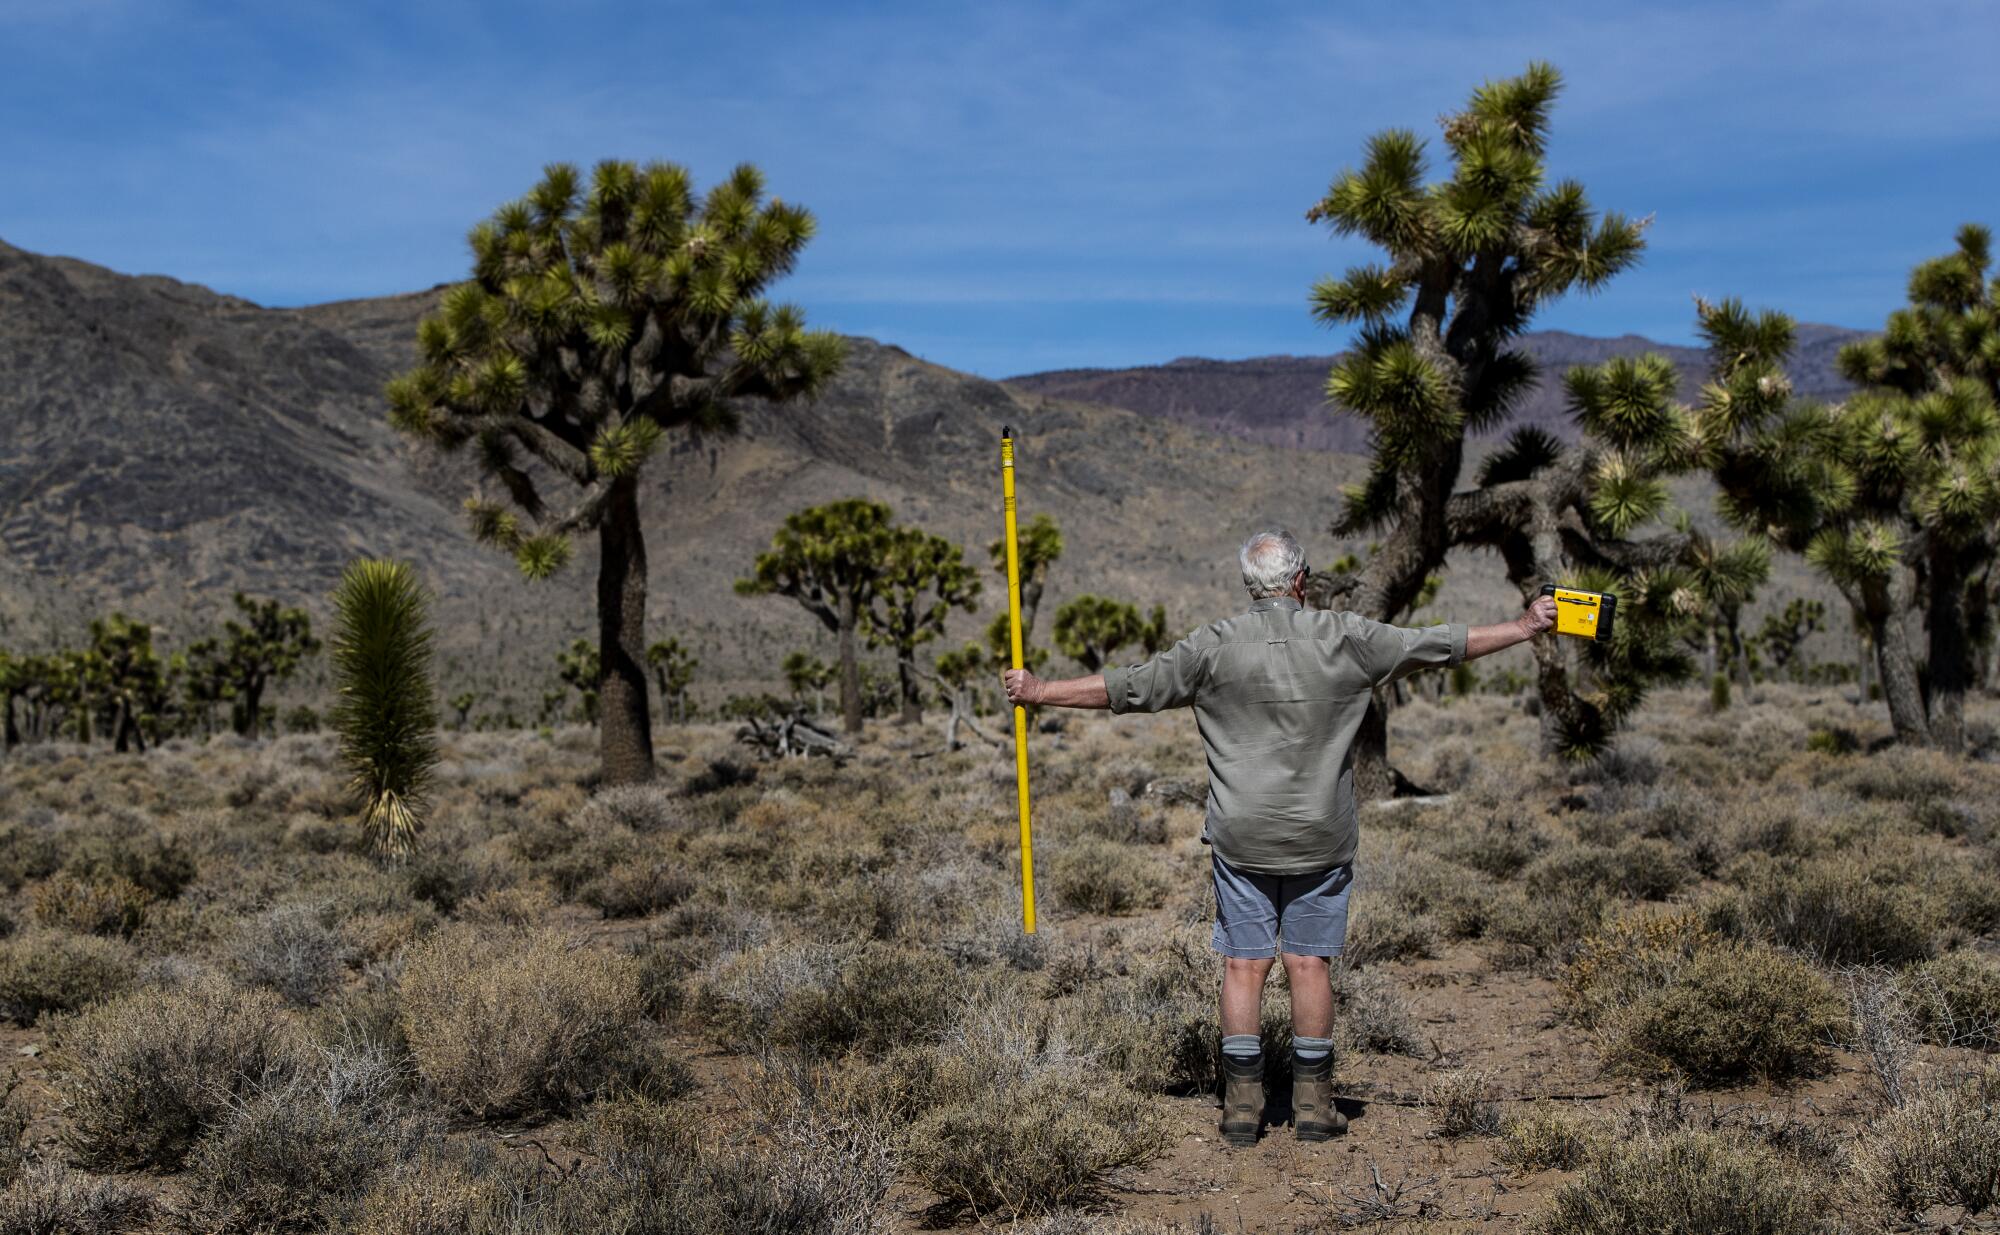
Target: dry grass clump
292, 949
1093, 875
1021, 1122
1839, 910
161, 866
46, 971
1687, 1182
637, 888
519, 1024
638, 808
105, 905
1942, 1147
1460, 1103
52, 1199
430, 1195
145, 1075
1956, 999
298, 1157
826, 999
1735, 1012
1545, 1137
1630, 958
1373, 1016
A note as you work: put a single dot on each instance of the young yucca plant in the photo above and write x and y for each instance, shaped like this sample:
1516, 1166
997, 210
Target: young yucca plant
386, 714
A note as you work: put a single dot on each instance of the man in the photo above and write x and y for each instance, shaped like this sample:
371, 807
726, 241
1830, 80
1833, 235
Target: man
1279, 693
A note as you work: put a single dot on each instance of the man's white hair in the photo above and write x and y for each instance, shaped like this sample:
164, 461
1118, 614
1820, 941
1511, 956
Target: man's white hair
1270, 559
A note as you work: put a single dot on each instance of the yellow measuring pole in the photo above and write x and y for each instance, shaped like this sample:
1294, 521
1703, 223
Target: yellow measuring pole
1020, 713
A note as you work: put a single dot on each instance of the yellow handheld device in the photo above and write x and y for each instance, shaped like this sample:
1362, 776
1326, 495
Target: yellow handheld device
1587, 615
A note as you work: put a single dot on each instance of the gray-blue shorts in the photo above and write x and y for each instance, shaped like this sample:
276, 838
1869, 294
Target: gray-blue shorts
1253, 911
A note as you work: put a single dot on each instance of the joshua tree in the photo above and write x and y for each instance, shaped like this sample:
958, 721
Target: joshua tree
205, 683
808, 674
263, 649
921, 580
461, 705
596, 321
1091, 629
673, 671
133, 685
1039, 544
828, 559
1725, 575
582, 672
1470, 260
1893, 495
384, 710
14, 680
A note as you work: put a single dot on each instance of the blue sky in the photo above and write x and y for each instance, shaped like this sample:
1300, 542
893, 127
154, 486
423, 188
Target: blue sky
1001, 187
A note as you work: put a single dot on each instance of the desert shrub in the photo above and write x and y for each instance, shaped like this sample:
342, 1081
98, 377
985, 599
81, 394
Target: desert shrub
1639, 869
294, 1159
1501, 851
1385, 933
27, 853
1460, 1103
145, 1075
1545, 1137
105, 905
54, 971
523, 1024
52, 1199
1735, 1012
1100, 876
292, 949
642, 808
1372, 1016
720, 774
1955, 999
826, 1000
1834, 910
430, 1195
1687, 1183
1542, 927
519, 904
161, 865
1631, 957
1942, 1148
442, 879
638, 889
1906, 777
1020, 1122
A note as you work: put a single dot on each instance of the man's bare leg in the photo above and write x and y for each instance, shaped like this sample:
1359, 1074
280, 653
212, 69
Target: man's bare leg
1312, 995
1243, 993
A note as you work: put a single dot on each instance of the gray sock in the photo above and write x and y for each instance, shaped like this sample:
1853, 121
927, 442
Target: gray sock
1242, 1046
1311, 1050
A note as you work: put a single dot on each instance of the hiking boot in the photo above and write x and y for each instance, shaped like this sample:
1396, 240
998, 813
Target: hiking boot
1242, 1100
1314, 1117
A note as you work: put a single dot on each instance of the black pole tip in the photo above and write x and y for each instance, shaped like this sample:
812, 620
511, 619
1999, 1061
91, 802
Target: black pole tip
1006, 430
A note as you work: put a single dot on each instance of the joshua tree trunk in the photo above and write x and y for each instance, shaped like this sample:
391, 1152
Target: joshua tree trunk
1901, 688
10, 733
1950, 652
251, 710
850, 666
126, 730
625, 728
913, 701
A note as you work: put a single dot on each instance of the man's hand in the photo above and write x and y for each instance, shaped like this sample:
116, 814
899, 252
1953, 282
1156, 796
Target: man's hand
1486, 640
1023, 687
1541, 616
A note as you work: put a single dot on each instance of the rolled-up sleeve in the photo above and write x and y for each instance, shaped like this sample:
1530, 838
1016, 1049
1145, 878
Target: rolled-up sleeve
1170, 680
1390, 652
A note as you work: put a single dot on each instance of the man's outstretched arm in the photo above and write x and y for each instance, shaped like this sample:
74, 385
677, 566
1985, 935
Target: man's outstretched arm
1025, 688
1485, 640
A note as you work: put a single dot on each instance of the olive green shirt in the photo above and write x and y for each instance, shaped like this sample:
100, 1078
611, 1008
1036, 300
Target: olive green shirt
1279, 694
